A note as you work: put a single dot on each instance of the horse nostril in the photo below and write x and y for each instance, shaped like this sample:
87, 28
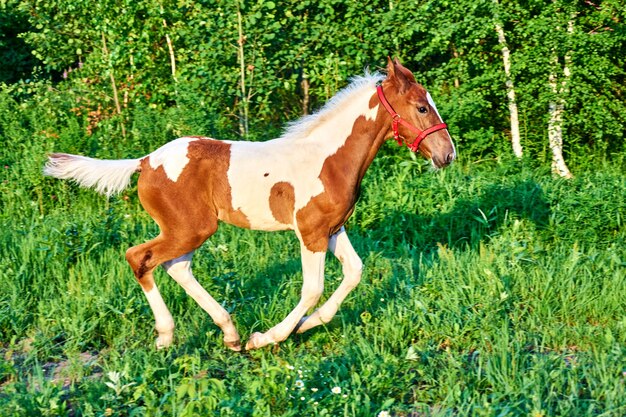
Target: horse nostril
450, 157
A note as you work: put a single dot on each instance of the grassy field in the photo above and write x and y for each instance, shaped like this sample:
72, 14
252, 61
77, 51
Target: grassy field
490, 289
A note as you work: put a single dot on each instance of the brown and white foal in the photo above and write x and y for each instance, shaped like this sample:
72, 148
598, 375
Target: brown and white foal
306, 180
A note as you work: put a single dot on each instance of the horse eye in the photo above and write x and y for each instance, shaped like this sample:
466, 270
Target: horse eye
422, 109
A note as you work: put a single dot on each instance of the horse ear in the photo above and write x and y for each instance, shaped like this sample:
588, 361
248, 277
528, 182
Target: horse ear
390, 67
399, 75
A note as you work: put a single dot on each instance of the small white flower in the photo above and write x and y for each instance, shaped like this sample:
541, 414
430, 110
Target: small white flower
114, 376
299, 384
302, 398
290, 367
384, 413
313, 389
336, 390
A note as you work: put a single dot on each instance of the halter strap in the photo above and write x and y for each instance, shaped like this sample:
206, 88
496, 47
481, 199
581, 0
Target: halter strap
397, 120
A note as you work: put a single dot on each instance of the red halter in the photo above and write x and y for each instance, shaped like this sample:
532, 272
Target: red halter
396, 119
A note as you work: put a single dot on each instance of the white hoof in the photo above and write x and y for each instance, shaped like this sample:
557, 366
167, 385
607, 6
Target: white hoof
257, 340
164, 341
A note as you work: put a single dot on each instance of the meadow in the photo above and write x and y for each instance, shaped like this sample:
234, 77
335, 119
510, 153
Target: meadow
490, 288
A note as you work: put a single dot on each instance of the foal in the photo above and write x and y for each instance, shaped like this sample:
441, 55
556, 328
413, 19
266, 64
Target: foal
307, 181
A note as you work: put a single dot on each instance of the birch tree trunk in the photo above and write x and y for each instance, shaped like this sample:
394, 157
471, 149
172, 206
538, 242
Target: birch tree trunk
556, 110
245, 102
510, 88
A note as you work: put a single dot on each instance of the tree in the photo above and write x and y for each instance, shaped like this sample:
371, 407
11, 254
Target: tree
506, 58
559, 86
242, 68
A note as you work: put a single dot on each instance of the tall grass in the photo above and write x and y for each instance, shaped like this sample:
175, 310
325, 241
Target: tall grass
489, 289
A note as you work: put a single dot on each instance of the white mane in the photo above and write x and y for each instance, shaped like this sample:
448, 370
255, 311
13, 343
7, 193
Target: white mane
304, 125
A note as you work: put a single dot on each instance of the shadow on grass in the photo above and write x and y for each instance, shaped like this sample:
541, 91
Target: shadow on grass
472, 220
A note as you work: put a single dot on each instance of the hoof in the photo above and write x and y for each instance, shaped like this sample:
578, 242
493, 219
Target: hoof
257, 340
163, 342
234, 345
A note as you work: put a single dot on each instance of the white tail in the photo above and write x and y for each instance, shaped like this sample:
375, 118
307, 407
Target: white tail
106, 176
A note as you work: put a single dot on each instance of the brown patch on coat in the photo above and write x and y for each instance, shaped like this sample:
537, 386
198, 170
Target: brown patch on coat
283, 202
200, 196
341, 176
214, 156
187, 210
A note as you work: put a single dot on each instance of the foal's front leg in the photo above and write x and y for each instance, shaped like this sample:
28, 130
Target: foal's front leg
312, 289
352, 267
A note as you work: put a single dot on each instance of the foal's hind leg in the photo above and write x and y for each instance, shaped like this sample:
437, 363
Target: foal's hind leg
164, 323
180, 209
142, 262
352, 266
180, 270
147, 256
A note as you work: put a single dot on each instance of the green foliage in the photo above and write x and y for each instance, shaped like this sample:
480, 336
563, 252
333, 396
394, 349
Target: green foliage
111, 61
489, 288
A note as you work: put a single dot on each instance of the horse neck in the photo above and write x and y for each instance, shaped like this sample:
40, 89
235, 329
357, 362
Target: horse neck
356, 132
369, 139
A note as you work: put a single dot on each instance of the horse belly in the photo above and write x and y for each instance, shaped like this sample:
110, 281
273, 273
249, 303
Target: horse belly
269, 183
260, 210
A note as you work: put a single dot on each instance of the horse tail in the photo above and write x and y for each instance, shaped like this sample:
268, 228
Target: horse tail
106, 176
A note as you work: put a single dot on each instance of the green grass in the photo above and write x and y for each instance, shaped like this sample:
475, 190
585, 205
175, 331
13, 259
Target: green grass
490, 289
